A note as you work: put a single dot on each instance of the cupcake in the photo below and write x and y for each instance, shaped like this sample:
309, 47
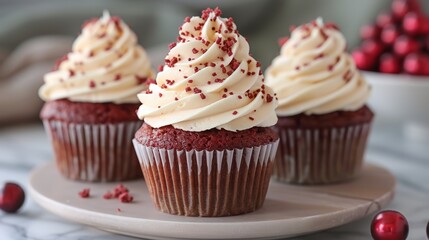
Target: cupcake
207, 147
91, 102
324, 121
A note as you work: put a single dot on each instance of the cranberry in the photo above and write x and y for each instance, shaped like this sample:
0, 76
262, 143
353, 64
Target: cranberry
389, 34
389, 225
401, 7
369, 32
416, 64
413, 23
363, 61
372, 47
405, 45
12, 197
385, 19
389, 63
424, 27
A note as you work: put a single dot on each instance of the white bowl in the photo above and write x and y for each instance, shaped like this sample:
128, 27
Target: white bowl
401, 99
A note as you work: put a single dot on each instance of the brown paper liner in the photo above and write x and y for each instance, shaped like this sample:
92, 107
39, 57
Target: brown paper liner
320, 155
207, 183
94, 152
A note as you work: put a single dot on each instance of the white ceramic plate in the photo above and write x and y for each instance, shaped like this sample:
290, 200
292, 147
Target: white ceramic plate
289, 210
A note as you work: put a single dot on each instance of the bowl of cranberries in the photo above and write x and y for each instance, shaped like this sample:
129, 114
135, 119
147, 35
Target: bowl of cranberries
394, 57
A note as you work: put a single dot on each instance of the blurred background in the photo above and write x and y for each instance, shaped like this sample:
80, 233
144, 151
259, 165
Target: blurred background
34, 33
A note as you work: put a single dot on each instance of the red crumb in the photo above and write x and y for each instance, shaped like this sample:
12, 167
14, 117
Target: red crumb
119, 189
108, 195
85, 193
126, 197
92, 84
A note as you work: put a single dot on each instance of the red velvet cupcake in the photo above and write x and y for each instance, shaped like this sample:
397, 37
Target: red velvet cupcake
323, 122
206, 148
91, 102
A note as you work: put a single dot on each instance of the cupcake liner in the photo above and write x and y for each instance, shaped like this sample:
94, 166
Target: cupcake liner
94, 152
321, 155
207, 183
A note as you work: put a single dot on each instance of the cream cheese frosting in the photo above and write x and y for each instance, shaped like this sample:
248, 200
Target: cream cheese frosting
315, 75
106, 64
209, 81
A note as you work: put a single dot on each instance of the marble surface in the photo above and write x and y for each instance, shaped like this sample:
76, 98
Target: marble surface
26, 146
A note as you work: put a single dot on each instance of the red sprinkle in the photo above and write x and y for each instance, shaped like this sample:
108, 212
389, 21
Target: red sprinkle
188, 89
197, 90
202, 96
331, 25
85, 193
161, 68
172, 45
194, 51
92, 84
269, 98
234, 113
282, 41
117, 77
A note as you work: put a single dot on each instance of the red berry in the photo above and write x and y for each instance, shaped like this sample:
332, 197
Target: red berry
363, 61
416, 64
424, 27
11, 198
405, 45
389, 225
413, 23
385, 19
389, 63
372, 47
282, 41
389, 34
401, 7
369, 32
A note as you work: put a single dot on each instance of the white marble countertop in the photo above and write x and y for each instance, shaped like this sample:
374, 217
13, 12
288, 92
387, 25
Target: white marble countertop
26, 146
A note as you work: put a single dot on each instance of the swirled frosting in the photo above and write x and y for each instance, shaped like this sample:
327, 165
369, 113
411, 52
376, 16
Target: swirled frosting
315, 75
209, 81
106, 65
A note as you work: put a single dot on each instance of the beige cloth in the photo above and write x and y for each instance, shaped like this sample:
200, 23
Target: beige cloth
21, 74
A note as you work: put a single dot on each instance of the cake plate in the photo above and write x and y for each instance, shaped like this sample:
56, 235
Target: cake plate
288, 211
